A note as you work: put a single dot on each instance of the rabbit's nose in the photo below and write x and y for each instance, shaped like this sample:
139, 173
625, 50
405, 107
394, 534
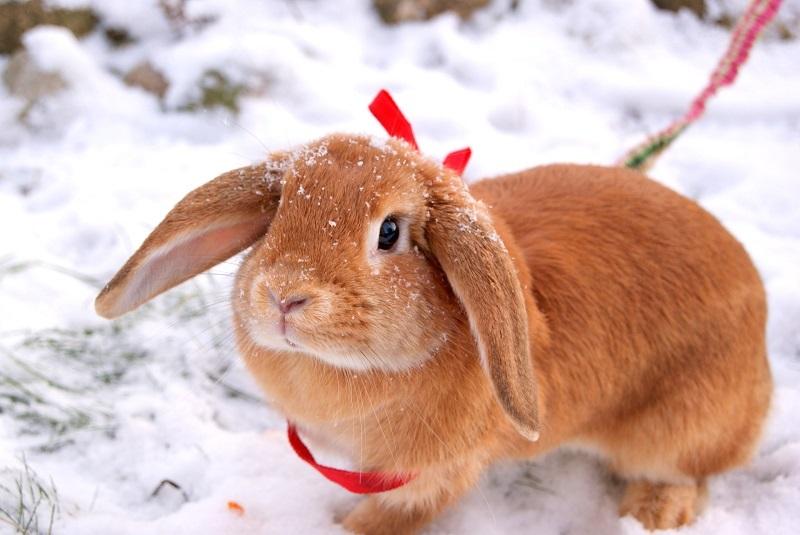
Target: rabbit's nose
288, 303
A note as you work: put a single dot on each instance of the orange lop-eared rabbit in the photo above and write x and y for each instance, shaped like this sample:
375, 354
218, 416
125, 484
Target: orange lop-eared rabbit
419, 327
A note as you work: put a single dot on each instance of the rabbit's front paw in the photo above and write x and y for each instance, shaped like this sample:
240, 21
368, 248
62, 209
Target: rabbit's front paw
370, 517
662, 505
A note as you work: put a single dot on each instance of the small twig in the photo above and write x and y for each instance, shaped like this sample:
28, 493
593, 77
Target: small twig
169, 483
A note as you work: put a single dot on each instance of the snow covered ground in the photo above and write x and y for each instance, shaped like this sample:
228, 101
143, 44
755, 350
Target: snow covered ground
101, 413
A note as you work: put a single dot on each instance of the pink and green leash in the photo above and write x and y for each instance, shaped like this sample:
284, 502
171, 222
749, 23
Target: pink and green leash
750, 25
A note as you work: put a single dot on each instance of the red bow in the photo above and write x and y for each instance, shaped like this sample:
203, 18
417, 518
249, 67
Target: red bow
357, 482
388, 113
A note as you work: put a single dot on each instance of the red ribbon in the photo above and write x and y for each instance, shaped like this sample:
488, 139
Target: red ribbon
457, 160
388, 113
356, 482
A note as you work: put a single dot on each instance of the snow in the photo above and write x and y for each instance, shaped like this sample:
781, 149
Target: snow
161, 395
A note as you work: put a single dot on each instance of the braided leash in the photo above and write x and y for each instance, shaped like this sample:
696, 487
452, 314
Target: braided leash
752, 22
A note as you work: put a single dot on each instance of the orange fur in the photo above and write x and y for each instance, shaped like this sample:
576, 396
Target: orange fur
582, 304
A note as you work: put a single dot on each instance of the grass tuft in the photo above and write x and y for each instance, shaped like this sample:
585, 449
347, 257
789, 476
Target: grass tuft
28, 504
50, 381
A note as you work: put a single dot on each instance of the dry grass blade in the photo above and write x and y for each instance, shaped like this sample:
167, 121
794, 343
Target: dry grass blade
27, 504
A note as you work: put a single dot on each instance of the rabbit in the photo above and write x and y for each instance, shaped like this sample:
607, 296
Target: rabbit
419, 326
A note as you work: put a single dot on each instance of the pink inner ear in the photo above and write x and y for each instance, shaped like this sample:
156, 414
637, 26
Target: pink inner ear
185, 257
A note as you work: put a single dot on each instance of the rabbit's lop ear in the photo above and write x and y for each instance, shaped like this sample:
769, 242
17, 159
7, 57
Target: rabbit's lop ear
209, 225
461, 236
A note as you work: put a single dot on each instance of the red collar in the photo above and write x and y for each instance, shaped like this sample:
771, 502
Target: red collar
357, 482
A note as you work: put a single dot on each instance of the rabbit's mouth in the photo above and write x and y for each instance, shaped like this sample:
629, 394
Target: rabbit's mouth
284, 330
277, 334
289, 342
285, 337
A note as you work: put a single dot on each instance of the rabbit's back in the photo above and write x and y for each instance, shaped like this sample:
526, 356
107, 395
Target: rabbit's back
654, 309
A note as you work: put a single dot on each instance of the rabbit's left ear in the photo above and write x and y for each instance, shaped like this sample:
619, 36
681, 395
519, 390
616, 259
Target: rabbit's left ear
209, 225
461, 236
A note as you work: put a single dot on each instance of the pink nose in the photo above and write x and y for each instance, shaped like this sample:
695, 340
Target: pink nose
288, 303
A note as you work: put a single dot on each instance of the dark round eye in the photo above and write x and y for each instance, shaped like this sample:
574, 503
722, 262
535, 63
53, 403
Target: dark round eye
388, 234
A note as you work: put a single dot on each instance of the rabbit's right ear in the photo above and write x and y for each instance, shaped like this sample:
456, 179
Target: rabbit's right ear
209, 225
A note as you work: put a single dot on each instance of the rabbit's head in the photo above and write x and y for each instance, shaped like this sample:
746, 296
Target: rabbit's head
362, 252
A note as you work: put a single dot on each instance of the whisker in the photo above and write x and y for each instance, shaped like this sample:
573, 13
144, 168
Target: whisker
237, 124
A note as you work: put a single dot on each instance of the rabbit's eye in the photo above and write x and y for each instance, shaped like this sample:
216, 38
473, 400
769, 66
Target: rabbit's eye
388, 234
